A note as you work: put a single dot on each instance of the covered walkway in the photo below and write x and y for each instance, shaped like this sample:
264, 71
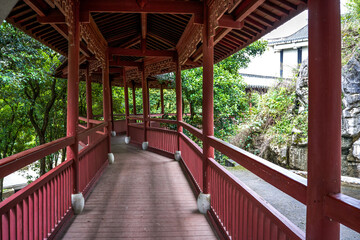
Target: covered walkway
142, 195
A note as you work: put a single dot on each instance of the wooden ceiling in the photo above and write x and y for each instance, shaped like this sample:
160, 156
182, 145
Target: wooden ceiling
153, 31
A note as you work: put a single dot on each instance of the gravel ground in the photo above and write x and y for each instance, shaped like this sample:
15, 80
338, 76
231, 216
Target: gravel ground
288, 206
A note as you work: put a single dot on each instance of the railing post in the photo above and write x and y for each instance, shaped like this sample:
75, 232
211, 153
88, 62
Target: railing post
145, 106
106, 98
324, 149
126, 94
134, 97
208, 107
77, 198
178, 106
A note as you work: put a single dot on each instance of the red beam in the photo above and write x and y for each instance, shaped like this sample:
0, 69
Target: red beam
116, 63
131, 6
140, 53
227, 21
246, 8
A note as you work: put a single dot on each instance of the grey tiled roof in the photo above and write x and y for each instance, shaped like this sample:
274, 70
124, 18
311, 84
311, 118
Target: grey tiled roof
302, 34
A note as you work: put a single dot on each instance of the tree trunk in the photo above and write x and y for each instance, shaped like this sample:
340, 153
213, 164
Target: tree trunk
43, 160
1, 188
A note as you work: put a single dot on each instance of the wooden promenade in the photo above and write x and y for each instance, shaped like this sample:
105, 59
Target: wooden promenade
141, 196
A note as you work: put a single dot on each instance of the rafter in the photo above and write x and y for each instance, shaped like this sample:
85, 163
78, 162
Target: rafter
245, 8
118, 63
227, 21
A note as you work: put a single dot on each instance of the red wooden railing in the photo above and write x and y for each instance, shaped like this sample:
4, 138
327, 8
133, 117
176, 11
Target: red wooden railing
39, 210
120, 126
238, 211
136, 132
163, 139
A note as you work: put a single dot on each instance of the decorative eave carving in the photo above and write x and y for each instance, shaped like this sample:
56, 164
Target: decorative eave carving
67, 8
187, 44
94, 40
216, 9
160, 67
133, 74
95, 65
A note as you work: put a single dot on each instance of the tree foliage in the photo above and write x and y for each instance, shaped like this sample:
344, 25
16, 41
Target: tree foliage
32, 100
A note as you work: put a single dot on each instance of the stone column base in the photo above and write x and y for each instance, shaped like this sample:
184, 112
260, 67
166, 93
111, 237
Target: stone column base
111, 158
203, 202
145, 145
127, 140
77, 203
113, 133
177, 155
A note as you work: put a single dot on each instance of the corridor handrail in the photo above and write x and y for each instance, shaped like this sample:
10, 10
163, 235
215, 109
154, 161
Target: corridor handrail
17, 161
343, 209
193, 130
288, 182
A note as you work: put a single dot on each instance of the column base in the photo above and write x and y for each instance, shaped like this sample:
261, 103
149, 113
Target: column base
127, 140
203, 203
177, 155
111, 158
77, 203
145, 145
113, 133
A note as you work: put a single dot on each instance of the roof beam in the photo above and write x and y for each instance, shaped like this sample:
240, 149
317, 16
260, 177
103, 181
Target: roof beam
246, 8
227, 21
131, 6
54, 16
140, 53
116, 63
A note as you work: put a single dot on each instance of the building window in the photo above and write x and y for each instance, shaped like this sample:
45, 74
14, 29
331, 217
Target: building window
299, 55
281, 63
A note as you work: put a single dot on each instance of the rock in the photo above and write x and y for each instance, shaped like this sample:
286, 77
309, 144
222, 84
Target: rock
351, 101
302, 89
298, 157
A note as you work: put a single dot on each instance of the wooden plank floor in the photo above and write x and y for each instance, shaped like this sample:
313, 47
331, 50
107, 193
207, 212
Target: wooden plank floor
141, 196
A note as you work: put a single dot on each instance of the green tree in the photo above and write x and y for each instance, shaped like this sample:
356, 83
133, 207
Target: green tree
26, 68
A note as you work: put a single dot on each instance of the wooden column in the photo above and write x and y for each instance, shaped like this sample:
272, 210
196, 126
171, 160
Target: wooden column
126, 94
145, 102
134, 97
89, 113
208, 96
106, 98
111, 107
148, 97
178, 99
162, 99
324, 149
73, 94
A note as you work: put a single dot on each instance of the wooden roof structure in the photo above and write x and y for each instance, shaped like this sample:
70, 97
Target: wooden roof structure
150, 34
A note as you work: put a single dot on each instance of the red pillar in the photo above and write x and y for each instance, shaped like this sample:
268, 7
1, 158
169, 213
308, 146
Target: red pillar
145, 102
88, 98
111, 108
134, 98
178, 99
148, 97
162, 99
208, 96
106, 98
73, 94
126, 94
324, 149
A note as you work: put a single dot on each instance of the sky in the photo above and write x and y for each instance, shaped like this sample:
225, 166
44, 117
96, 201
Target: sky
297, 23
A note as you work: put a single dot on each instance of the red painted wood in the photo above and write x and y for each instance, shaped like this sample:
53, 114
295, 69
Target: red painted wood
162, 139
179, 108
136, 133
106, 96
343, 209
191, 154
73, 91
208, 93
193, 130
22, 159
141, 53
134, 98
145, 98
126, 94
324, 148
150, 7
222, 187
286, 181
